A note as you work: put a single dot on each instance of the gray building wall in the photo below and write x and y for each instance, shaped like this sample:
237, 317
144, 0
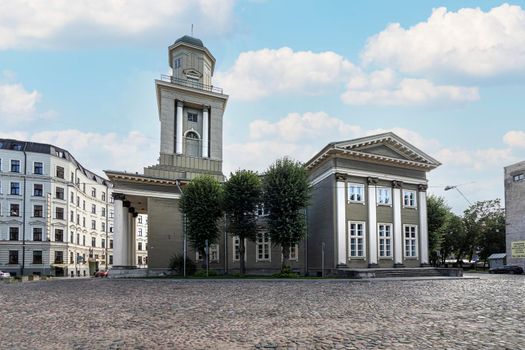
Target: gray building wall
514, 210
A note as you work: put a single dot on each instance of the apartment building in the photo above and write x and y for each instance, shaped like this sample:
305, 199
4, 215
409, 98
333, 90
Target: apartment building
54, 213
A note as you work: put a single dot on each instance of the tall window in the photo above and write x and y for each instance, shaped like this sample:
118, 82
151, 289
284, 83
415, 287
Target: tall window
385, 240
103, 243
139, 246
59, 213
60, 172
214, 252
236, 246
15, 166
72, 216
177, 63
14, 210
72, 197
103, 226
103, 212
410, 241
38, 168
37, 234
59, 193
59, 235
93, 242
110, 244
38, 190
263, 247
294, 252
356, 193
84, 240
140, 232
59, 257
93, 192
357, 239
71, 258
13, 257
38, 211
192, 144
15, 188
37, 257
384, 196
409, 199
93, 208
83, 221
139, 219
13, 233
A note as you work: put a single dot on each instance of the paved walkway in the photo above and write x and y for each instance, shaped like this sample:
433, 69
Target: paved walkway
246, 314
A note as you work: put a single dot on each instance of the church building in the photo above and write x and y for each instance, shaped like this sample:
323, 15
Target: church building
368, 207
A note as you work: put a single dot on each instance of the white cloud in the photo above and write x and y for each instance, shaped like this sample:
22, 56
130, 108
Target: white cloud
515, 138
384, 87
35, 23
17, 105
469, 41
99, 151
426, 144
257, 74
479, 159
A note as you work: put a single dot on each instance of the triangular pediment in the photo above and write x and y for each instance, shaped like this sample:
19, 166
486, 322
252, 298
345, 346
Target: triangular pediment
388, 145
387, 148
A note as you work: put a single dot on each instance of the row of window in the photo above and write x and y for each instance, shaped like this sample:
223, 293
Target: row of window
357, 240
58, 259
14, 235
356, 194
519, 177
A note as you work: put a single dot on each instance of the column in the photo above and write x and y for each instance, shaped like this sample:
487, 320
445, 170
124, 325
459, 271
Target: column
342, 255
205, 136
423, 225
180, 117
133, 254
398, 227
120, 231
372, 223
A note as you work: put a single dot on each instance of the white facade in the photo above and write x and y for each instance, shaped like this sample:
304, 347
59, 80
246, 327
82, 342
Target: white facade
54, 214
142, 240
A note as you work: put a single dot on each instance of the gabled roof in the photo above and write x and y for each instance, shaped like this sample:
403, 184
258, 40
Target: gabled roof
381, 148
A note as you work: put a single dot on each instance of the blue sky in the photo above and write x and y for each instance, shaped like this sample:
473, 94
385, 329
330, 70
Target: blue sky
446, 75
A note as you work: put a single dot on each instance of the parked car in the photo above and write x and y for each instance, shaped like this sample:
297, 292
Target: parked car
512, 269
101, 274
4, 275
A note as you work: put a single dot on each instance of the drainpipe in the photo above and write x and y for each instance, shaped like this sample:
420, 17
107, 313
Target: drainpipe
22, 271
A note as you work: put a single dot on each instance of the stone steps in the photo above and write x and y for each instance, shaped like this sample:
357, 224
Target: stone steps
400, 272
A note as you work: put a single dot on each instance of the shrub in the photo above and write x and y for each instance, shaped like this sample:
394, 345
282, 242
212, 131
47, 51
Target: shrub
285, 273
177, 265
202, 273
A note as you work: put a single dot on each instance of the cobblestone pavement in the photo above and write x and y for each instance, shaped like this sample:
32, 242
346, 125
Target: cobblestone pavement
231, 314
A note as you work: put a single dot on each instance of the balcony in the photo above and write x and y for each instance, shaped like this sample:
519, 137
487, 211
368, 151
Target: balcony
191, 84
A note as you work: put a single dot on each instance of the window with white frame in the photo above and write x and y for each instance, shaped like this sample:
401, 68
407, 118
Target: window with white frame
38, 190
15, 188
38, 168
294, 252
213, 253
15, 166
519, 177
384, 195
356, 193
356, 240
263, 247
385, 240
261, 211
409, 198
410, 241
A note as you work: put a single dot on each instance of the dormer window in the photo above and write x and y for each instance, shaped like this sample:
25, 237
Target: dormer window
177, 63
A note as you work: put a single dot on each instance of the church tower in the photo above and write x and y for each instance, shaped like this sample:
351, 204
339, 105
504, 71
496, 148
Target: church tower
190, 112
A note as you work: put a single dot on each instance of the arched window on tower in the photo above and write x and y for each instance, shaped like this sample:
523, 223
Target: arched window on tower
192, 144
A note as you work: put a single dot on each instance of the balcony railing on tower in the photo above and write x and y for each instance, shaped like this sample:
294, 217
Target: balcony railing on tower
190, 83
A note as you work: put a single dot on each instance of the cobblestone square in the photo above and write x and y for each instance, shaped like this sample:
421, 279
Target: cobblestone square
245, 314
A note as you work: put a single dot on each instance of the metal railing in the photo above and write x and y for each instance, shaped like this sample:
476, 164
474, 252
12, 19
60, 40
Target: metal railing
192, 84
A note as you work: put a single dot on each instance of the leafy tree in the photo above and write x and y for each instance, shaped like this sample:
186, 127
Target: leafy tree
201, 202
286, 194
437, 213
485, 226
454, 238
242, 195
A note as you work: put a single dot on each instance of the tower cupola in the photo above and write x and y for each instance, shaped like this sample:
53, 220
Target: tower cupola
190, 60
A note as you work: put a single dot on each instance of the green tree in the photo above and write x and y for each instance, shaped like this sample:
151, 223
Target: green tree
242, 195
437, 213
201, 202
454, 238
286, 195
485, 226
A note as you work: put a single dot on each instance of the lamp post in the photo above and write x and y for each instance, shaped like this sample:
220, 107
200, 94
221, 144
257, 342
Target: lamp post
448, 188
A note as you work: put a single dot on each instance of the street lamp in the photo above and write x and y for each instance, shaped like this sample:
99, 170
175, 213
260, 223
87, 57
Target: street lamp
457, 189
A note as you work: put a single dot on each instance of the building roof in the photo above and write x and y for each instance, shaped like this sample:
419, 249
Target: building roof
189, 40
498, 256
45, 148
399, 152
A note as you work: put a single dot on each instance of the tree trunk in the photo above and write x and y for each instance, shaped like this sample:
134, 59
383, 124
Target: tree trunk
242, 251
286, 257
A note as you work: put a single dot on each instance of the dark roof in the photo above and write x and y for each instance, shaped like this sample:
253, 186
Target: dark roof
189, 40
35, 147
